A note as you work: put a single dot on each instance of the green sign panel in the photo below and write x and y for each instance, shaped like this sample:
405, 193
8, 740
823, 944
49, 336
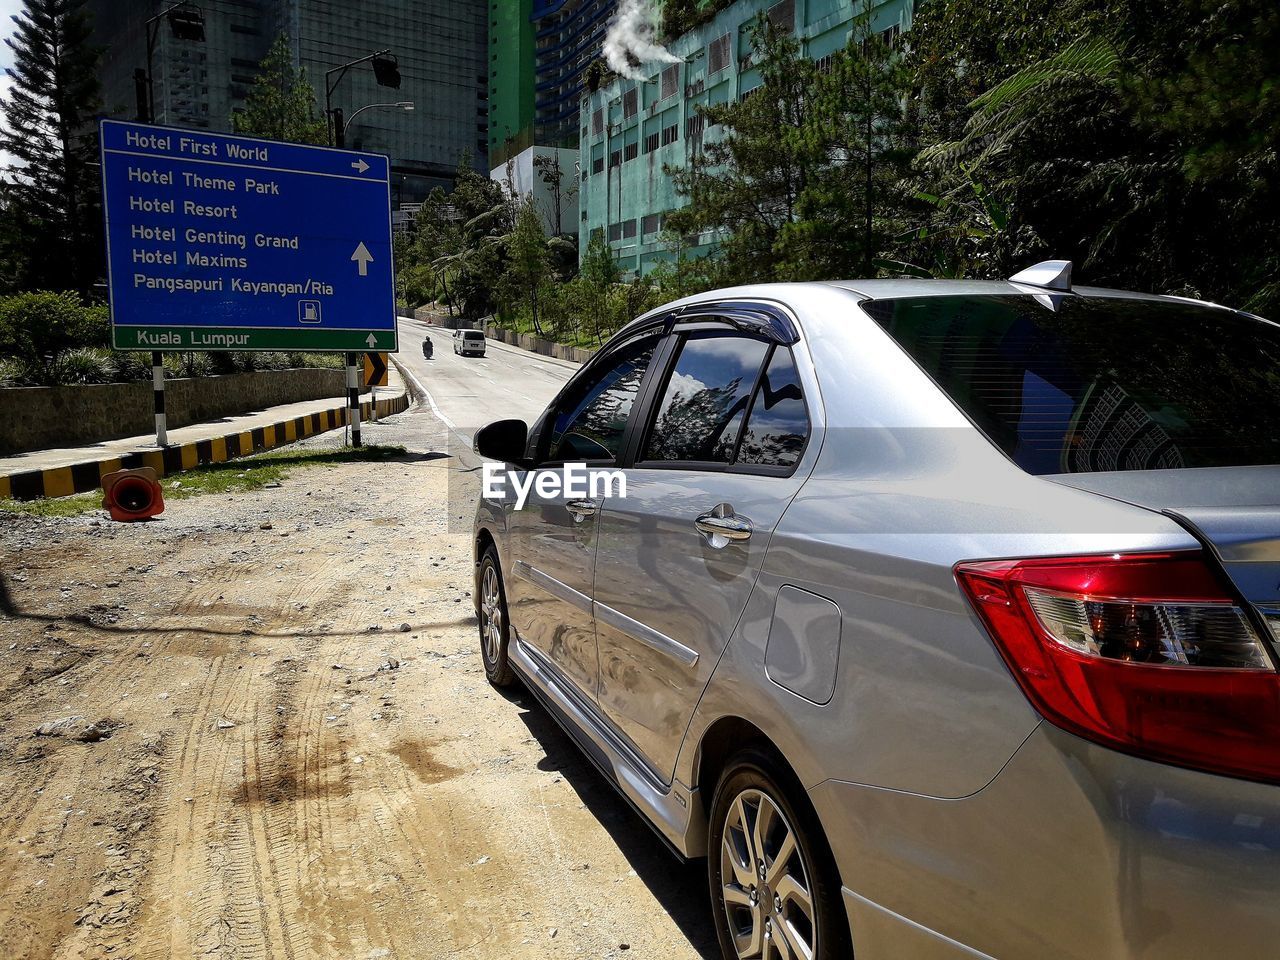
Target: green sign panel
178, 339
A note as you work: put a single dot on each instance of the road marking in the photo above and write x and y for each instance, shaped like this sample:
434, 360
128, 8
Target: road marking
430, 399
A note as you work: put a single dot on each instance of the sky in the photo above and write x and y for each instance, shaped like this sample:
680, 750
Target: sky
7, 9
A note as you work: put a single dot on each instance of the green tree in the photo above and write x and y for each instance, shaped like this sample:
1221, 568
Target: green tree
598, 275
49, 197
804, 182
485, 215
747, 184
1142, 145
1218, 99
38, 328
281, 104
530, 266
855, 202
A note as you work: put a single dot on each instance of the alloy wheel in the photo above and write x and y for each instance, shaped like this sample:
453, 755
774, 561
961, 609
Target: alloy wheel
765, 882
491, 613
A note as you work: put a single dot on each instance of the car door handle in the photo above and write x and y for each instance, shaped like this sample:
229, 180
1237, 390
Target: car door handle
581, 509
721, 526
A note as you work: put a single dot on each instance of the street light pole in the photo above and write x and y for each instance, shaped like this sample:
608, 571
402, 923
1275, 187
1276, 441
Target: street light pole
384, 69
342, 128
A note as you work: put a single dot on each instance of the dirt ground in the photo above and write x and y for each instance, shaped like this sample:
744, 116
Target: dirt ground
287, 747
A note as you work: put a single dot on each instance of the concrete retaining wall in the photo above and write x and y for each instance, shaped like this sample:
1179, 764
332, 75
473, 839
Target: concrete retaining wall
439, 316
42, 418
547, 348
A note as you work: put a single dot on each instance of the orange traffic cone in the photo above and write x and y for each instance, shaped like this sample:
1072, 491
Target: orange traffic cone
132, 494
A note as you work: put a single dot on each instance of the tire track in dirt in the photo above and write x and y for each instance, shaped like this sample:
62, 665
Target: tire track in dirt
350, 813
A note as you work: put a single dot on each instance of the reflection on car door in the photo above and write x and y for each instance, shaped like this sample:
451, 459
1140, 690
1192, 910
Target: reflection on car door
678, 556
554, 537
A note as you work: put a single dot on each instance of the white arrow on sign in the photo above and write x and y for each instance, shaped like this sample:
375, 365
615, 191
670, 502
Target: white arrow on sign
363, 257
360, 166
372, 341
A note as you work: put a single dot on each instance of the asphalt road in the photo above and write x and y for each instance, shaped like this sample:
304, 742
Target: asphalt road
468, 392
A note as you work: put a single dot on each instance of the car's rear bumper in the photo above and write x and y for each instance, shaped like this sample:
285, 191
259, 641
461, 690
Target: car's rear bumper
1073, 851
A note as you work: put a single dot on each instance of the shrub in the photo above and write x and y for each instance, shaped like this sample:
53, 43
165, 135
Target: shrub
37, 328
85, 365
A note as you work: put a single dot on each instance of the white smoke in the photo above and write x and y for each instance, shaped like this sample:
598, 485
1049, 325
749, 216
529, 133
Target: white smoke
630, 42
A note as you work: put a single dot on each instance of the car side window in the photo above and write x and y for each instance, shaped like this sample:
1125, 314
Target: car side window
778, 425
705, 399
589, 423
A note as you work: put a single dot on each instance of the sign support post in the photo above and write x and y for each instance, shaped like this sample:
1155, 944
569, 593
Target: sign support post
353, 399
157, 387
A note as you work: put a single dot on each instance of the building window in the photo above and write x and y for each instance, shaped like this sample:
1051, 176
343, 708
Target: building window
615, 232
630, 103
597, 165
597, 122
783, 15
670, 134
615, 158
628, 229
630, 151
651, 224
651, 142
718, 54
670, 80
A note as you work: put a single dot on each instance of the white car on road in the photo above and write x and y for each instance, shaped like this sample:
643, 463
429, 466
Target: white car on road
468, 342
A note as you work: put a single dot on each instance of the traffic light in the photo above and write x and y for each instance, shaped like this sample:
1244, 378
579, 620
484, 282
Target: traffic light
386, 70
132, 495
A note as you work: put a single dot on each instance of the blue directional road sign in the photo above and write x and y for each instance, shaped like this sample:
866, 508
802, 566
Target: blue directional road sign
217, 242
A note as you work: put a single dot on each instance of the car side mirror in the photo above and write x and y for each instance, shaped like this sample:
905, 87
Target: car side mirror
503, 440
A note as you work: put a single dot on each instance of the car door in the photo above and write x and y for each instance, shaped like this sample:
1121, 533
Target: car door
722, 456
553, 535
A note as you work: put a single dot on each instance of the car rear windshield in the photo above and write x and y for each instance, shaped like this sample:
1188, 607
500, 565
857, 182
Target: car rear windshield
1079, 385
473, 335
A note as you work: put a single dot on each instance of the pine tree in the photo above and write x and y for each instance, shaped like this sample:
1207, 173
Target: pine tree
855, 203
281, 105
529, 264
801, 182
599, 275
746, 184
50, 204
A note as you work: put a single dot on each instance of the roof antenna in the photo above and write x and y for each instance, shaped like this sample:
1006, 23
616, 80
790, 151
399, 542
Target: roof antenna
1051, 274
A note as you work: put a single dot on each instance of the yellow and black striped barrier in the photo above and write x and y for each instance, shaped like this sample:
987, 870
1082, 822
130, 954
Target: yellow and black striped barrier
81, 477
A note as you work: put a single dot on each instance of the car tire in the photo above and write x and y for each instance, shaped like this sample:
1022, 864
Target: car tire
789, 889
492, 614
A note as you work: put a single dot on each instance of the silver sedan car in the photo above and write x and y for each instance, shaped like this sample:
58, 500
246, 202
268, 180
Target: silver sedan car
940, 618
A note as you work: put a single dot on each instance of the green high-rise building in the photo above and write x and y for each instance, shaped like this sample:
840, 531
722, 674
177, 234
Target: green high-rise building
511, 79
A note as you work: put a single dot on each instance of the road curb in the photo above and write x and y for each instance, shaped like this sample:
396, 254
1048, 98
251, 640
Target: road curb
87, 475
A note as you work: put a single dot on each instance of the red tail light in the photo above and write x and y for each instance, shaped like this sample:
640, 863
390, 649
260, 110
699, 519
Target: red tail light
1149, 654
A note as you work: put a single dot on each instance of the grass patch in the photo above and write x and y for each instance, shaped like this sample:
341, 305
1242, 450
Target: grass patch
234, 476
61, 507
